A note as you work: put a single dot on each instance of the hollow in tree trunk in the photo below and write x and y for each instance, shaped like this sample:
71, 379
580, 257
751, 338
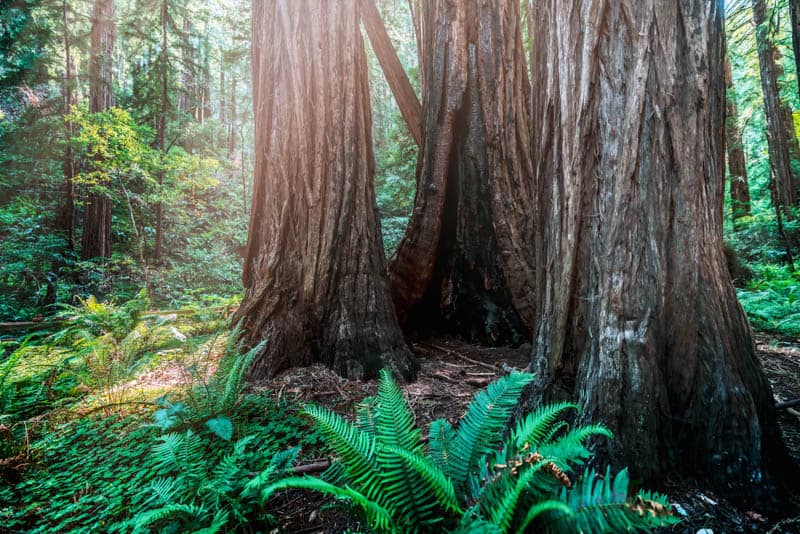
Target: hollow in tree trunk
96, 241
639, 321
465, 264
315, 272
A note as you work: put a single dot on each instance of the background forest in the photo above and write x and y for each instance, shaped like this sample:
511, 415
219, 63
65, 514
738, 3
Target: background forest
123, 336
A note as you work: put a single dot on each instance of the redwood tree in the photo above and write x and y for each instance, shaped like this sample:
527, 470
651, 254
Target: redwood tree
96, 240
65, 219
740, 187
465, 264
783, 186
639, 321
315, 272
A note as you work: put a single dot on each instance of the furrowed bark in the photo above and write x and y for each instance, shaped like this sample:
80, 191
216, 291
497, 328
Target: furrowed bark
465, 264
96, 241
315, 275
783, 183
639, 321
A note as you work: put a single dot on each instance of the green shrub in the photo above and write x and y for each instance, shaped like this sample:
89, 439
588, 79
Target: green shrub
469, 479
772, 300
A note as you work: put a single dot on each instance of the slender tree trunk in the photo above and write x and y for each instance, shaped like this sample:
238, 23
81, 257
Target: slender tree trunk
392, 68
186, 98
223, 102
465, 264
794, 10
740, 188
66, 215
315, 278
161, 129
785, 196
96, 240
233, 119
639, 321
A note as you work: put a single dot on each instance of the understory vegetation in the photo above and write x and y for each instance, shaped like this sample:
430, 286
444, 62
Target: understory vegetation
199, 453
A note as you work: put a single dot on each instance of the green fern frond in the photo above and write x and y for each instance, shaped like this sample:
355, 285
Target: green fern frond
365, 415
355, 448
440, 443
436, 482
378, 517
502, 512
479, 433
600, 504
571, 447
535, 427
552, 507
393, 416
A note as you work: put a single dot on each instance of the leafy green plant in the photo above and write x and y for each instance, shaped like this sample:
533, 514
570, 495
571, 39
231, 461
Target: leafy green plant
470, 479
208, 495
211, 401
772, 300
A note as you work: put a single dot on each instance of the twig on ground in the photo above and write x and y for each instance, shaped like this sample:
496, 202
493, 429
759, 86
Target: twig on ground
460, 356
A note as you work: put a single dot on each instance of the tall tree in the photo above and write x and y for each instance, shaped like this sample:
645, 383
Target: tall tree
783, 187
66, 211
639, 321
96, 240
740, 187
465, 264
794, 12
161, 123
315, 273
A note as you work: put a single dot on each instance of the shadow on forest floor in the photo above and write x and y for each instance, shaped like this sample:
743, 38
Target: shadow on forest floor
452, 372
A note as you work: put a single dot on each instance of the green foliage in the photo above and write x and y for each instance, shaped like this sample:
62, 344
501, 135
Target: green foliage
772, 300
470, 479
212, 495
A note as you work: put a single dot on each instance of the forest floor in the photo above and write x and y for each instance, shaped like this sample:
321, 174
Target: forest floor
452, 372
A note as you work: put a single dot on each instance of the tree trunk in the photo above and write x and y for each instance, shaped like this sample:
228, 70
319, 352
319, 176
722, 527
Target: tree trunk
233, 118
740, 188
465, 264
785, 195
66, 214
161, 129
639, 321
403, 93
186, 100
315, 274
96, 242
794, 10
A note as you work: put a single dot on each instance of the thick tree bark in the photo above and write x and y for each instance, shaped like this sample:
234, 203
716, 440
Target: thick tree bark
785, 193
315, 273
465, 264
161, 128
740, 187
639, 320
403, 93
65, 219
96, 242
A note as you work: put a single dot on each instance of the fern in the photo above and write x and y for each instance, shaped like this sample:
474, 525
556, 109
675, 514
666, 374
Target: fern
469, 479
601, 504
479, 431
